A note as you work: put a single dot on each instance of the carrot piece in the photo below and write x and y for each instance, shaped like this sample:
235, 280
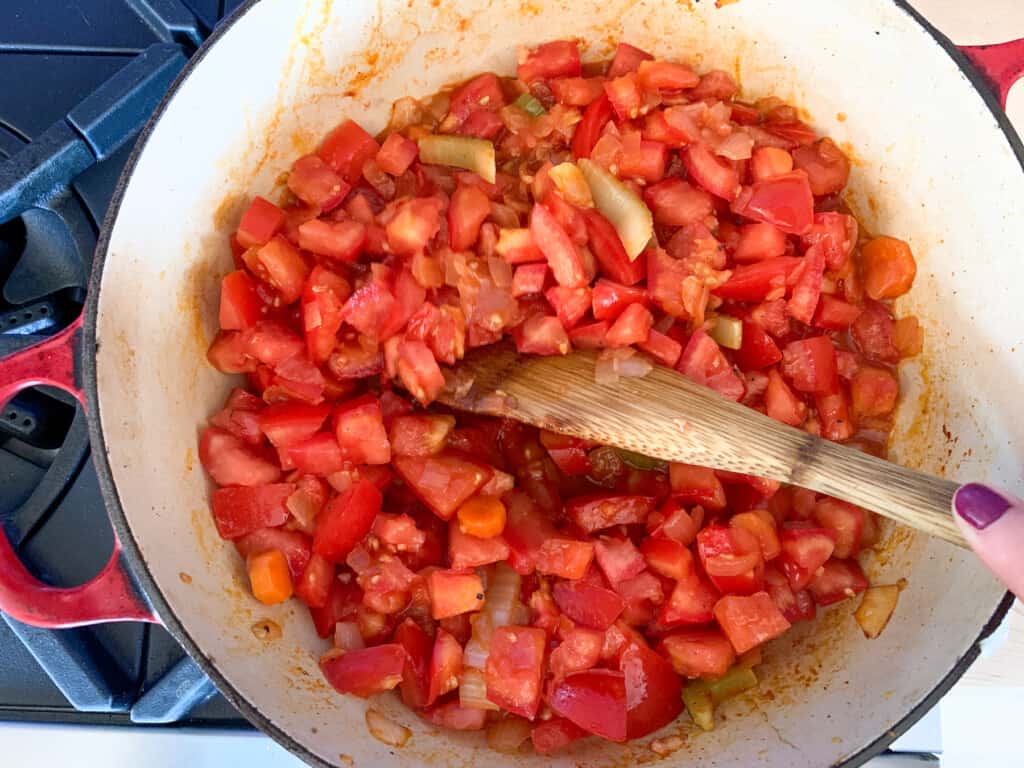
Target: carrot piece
269, 576
482, 516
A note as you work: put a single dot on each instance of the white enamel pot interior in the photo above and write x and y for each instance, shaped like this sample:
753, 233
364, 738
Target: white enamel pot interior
931, 164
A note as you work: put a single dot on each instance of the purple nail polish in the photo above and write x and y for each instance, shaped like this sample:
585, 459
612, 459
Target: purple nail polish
979, 505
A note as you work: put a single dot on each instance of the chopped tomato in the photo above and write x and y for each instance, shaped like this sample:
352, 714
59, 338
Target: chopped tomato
580, 649
624, 95
588, 604
696, 485
455, 717
749, 621
676, 203
846, 522
691, 602
589, 336
732, 559
294, 545
514, 669
242, 510
260, 222
419, 434
319, 454
314, 586
281, 264
342, 241
359, 428
627, 59
781, 403
240, 304
347, 148
595, 117
594, 700
767, 162
566, 558
835, 314
576, 91
568, 453
315, 183
837, 580
761, 525
664, 349
873, 391
452, 593
232, 462
529, 278
570, 304
557, 248
827, 168
414, 223
366, 671
469, 207
759, 241
415, 672
419, 371
666, 76
715, 175
755, 282
807, 288
396, 154
785, 201
757, 349
804, 551
445, 666
290, 422
597, 512
795, 606
345, 520
516, 246
442, 481
619, 559
631, 327
698, 652
702, 360
467, 551
874, 333
549, 61
667, 557
653, 692
608, 249
836, 233
811, 364
323, 299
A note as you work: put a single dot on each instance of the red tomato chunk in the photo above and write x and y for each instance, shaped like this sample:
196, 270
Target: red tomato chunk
477, 564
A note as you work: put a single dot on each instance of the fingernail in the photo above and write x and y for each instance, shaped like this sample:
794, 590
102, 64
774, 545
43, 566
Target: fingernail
979, 505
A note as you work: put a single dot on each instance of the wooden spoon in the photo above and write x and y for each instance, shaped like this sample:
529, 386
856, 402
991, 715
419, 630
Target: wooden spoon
667, 416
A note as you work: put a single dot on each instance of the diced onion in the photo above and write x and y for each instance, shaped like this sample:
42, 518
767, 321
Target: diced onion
501, 271
385, 730
635, 366
508, 735
473, 690
347, 636
500, 610
621, 206
727, 331
876, 608
613, 363
473, 154
405, 112
605, 372
738, 145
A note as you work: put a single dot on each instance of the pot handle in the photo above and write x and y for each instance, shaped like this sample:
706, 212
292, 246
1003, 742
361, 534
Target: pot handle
1001, 64
112, 594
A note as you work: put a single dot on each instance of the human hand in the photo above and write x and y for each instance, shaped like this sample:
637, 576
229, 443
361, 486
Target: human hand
993, 524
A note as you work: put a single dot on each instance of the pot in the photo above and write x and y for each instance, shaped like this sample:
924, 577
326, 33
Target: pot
935, 162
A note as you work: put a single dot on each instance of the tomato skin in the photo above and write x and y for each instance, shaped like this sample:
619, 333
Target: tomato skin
346, 520
568, 453
346, 149
754, 282
731, 560
292, 544
594, 700
609, 251
366, 671
698, 652
757, 350
588, 130
804, 551
260, 222
241, 510
597, 512
785, 201
749, 621
290, 422
653, 691
514, 669
314, 586
588, 604
609, 298
560, 58
837, 580
229, 461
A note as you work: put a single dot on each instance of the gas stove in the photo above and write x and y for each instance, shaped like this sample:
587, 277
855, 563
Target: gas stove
80, 79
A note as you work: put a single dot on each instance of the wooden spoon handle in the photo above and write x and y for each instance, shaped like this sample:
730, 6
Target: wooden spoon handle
667, 416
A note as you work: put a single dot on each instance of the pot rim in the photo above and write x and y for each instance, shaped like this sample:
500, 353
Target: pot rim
133, 553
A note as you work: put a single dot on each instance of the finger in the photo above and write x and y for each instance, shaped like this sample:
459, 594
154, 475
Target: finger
993, 524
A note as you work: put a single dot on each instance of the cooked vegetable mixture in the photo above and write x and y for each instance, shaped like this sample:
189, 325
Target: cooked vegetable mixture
541, 587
